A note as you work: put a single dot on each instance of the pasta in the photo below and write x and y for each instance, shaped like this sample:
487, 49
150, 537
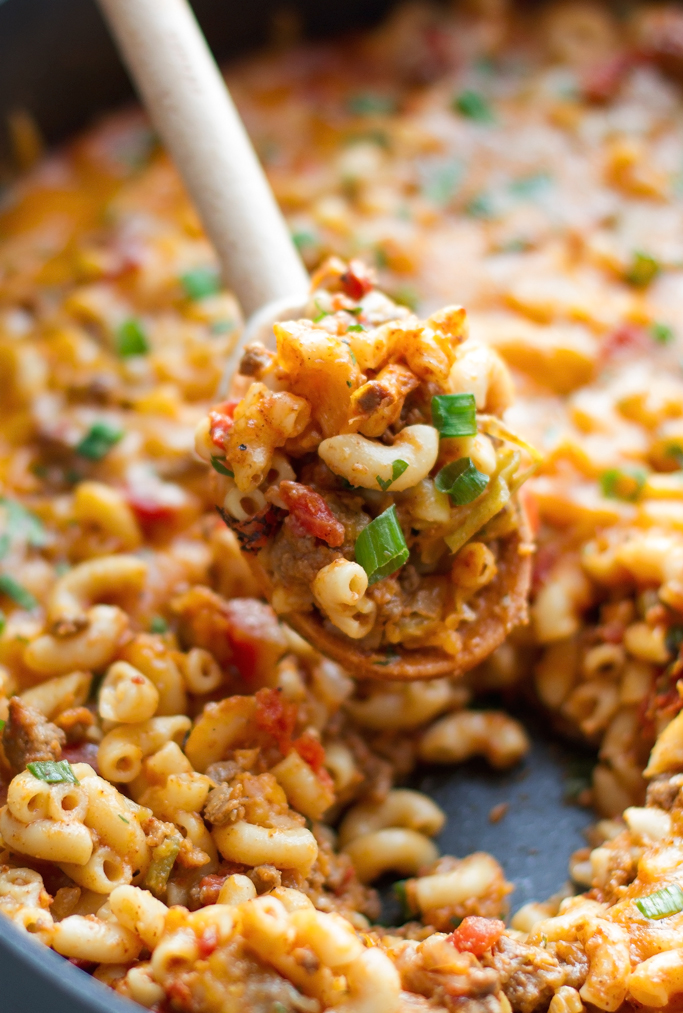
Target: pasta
199, 804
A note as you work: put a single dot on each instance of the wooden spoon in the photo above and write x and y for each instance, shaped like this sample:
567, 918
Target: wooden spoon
188, 101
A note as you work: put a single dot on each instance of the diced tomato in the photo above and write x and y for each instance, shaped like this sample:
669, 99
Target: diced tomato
311, 750
276, 717
253, 534
256, 638
221, 420
149, 510
602, 81
357, 280
209, 889
530, 504
208, 941
627, 340
477, 935
312, 513
84, 752
544, 561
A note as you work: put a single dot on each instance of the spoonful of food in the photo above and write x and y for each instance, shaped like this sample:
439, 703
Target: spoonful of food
360, 455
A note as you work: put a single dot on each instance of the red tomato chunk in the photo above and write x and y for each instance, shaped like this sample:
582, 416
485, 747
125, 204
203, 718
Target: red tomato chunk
477, 935
312, 513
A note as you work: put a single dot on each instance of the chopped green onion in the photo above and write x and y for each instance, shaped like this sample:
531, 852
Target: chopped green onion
369, 104
623, 483
53, 771
441, 181
675, 451
321, 313
3, 622
163, 860
158, 624
380, 547
124, 819
674, 640
222, 326
401, 894
14, 590
200, 282
303, 239
530, 186
397, 469
643, 269
22, 524
462, 481
455, 414
662, 903
662, 333
99, 440
131, 339
405, 295
474, 106
481, 206
2, 724
355, 327
218, 465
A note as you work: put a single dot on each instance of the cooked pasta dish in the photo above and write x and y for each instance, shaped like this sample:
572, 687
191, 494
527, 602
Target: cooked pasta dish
207, 716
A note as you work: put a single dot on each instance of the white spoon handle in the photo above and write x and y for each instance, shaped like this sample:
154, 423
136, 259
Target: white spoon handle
183, 90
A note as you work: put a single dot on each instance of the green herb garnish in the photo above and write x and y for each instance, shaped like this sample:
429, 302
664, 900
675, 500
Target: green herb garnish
99, 440
53, 771
355, 327
19, 594
23, 525
371, 104
380, 547
131, 339
662, 333
397, 469
461, 481
303, 239
455, 414
401, 894
441, 181
158, 624
530, 186
163, 860
663, 903
623, 483
218, 465
222, 326
200, 282
643, 269
674, 639
474, 106
481, 206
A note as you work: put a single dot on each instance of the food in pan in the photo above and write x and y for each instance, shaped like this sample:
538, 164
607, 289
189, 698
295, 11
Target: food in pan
198, 802
367, 474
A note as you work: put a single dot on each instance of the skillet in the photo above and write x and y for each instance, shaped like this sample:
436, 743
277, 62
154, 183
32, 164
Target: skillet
56, 61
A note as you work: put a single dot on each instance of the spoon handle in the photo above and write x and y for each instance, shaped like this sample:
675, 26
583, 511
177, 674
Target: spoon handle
184, 92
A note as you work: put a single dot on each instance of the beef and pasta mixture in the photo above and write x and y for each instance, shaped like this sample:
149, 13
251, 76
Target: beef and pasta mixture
196, 802
360, 475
